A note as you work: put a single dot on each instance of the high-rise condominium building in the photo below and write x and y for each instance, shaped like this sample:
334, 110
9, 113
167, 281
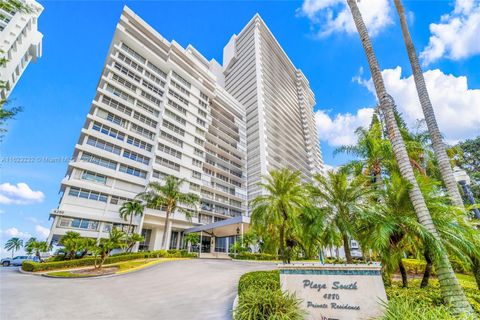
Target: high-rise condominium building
281, 129
20, 43
164, 110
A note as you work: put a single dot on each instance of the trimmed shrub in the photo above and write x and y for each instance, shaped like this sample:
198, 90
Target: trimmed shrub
260, 298
259, 279
89, 261
266, 304
430, 297
253, 256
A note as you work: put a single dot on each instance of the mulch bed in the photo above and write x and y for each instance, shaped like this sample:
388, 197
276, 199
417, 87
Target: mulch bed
96, 272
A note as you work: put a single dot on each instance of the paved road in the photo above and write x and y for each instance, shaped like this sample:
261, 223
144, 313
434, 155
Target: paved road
175, 290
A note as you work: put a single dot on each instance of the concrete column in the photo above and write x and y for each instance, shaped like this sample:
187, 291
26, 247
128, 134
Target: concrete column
200, 248
179, 233
212, 244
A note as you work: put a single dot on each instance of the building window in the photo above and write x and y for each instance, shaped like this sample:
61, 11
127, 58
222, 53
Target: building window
170, 151
201, 122
169, 137
117, 105
157, 70
133, 53
95, 177
178, 96
133, 171
151, 98
124, 83
181, 79
182, 89
199, 141
198, 152
154, 78
197, 163
136, 157
173, 127
119, 93
177, 106
108, 131
126, 72
77, 223
107, 146
152, 88
144, 119
99, 161
175, 117
139, 143
202, 113
118, 200
147, 108
167, 163
87, 194
142, 131
130, 62
196, 175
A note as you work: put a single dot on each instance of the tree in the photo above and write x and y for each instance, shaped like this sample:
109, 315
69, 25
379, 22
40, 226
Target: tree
279, 207
451, 290
13, 244
37, 247
132, 239
192, 239
340, 198
167, 196
73, 243
116, 240
437, 141
131, 209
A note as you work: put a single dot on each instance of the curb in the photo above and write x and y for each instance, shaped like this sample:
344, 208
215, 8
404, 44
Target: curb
234, 306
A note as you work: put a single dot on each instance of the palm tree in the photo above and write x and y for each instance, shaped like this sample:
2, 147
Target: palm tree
451, 290
341, 198
130, 209
280, 206
13, 244
72, 242
169, 197
192, 239
132, 239
437, 143
116, 240
32, 245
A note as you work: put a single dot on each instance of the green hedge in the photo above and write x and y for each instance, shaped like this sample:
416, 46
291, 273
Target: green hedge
89, 261
429, 297
253, 256
261, 298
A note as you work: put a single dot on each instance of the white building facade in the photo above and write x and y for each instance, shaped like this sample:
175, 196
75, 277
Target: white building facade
160, 110
278, 101
20, 43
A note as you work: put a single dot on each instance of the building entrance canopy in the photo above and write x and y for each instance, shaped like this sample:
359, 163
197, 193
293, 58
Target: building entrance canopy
230, 227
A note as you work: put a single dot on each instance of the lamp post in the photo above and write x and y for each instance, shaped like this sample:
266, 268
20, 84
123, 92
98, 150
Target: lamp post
235, 243
463, 180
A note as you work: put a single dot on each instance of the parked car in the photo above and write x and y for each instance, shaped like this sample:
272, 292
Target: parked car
18, 260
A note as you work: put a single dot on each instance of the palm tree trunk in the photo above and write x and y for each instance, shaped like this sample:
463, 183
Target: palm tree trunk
451, 290
130, 225
476, 270
282, 242
428, 269
346, 246
403, 272
165, 229
435, 135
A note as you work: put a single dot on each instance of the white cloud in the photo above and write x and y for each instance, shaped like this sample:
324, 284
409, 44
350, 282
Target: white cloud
456, 36
19, 194
456, 106
42, 231
331, 16
14, 232
339, 129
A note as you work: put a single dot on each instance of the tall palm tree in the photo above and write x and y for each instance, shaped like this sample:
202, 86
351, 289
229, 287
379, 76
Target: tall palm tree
13, 244
341, 199
437, 143
451, 290
279, 207
37, 247
130, 209
167, 195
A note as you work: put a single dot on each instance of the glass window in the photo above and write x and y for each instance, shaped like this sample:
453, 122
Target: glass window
75, 223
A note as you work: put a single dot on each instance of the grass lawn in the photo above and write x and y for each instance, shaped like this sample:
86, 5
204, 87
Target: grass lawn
116, 268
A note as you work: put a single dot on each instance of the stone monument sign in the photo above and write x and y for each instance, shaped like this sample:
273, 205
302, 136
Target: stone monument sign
336, 292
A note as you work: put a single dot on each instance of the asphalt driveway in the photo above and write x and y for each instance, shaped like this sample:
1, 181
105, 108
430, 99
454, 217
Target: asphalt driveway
175, 290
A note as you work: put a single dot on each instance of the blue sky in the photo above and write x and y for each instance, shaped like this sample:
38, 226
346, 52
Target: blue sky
317, 35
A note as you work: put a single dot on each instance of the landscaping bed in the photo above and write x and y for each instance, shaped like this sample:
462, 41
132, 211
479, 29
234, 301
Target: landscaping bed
260, 298
117, 268
89, 261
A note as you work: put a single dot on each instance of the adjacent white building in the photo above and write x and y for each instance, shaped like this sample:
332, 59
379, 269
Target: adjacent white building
20, 43
281, 130
161, 109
